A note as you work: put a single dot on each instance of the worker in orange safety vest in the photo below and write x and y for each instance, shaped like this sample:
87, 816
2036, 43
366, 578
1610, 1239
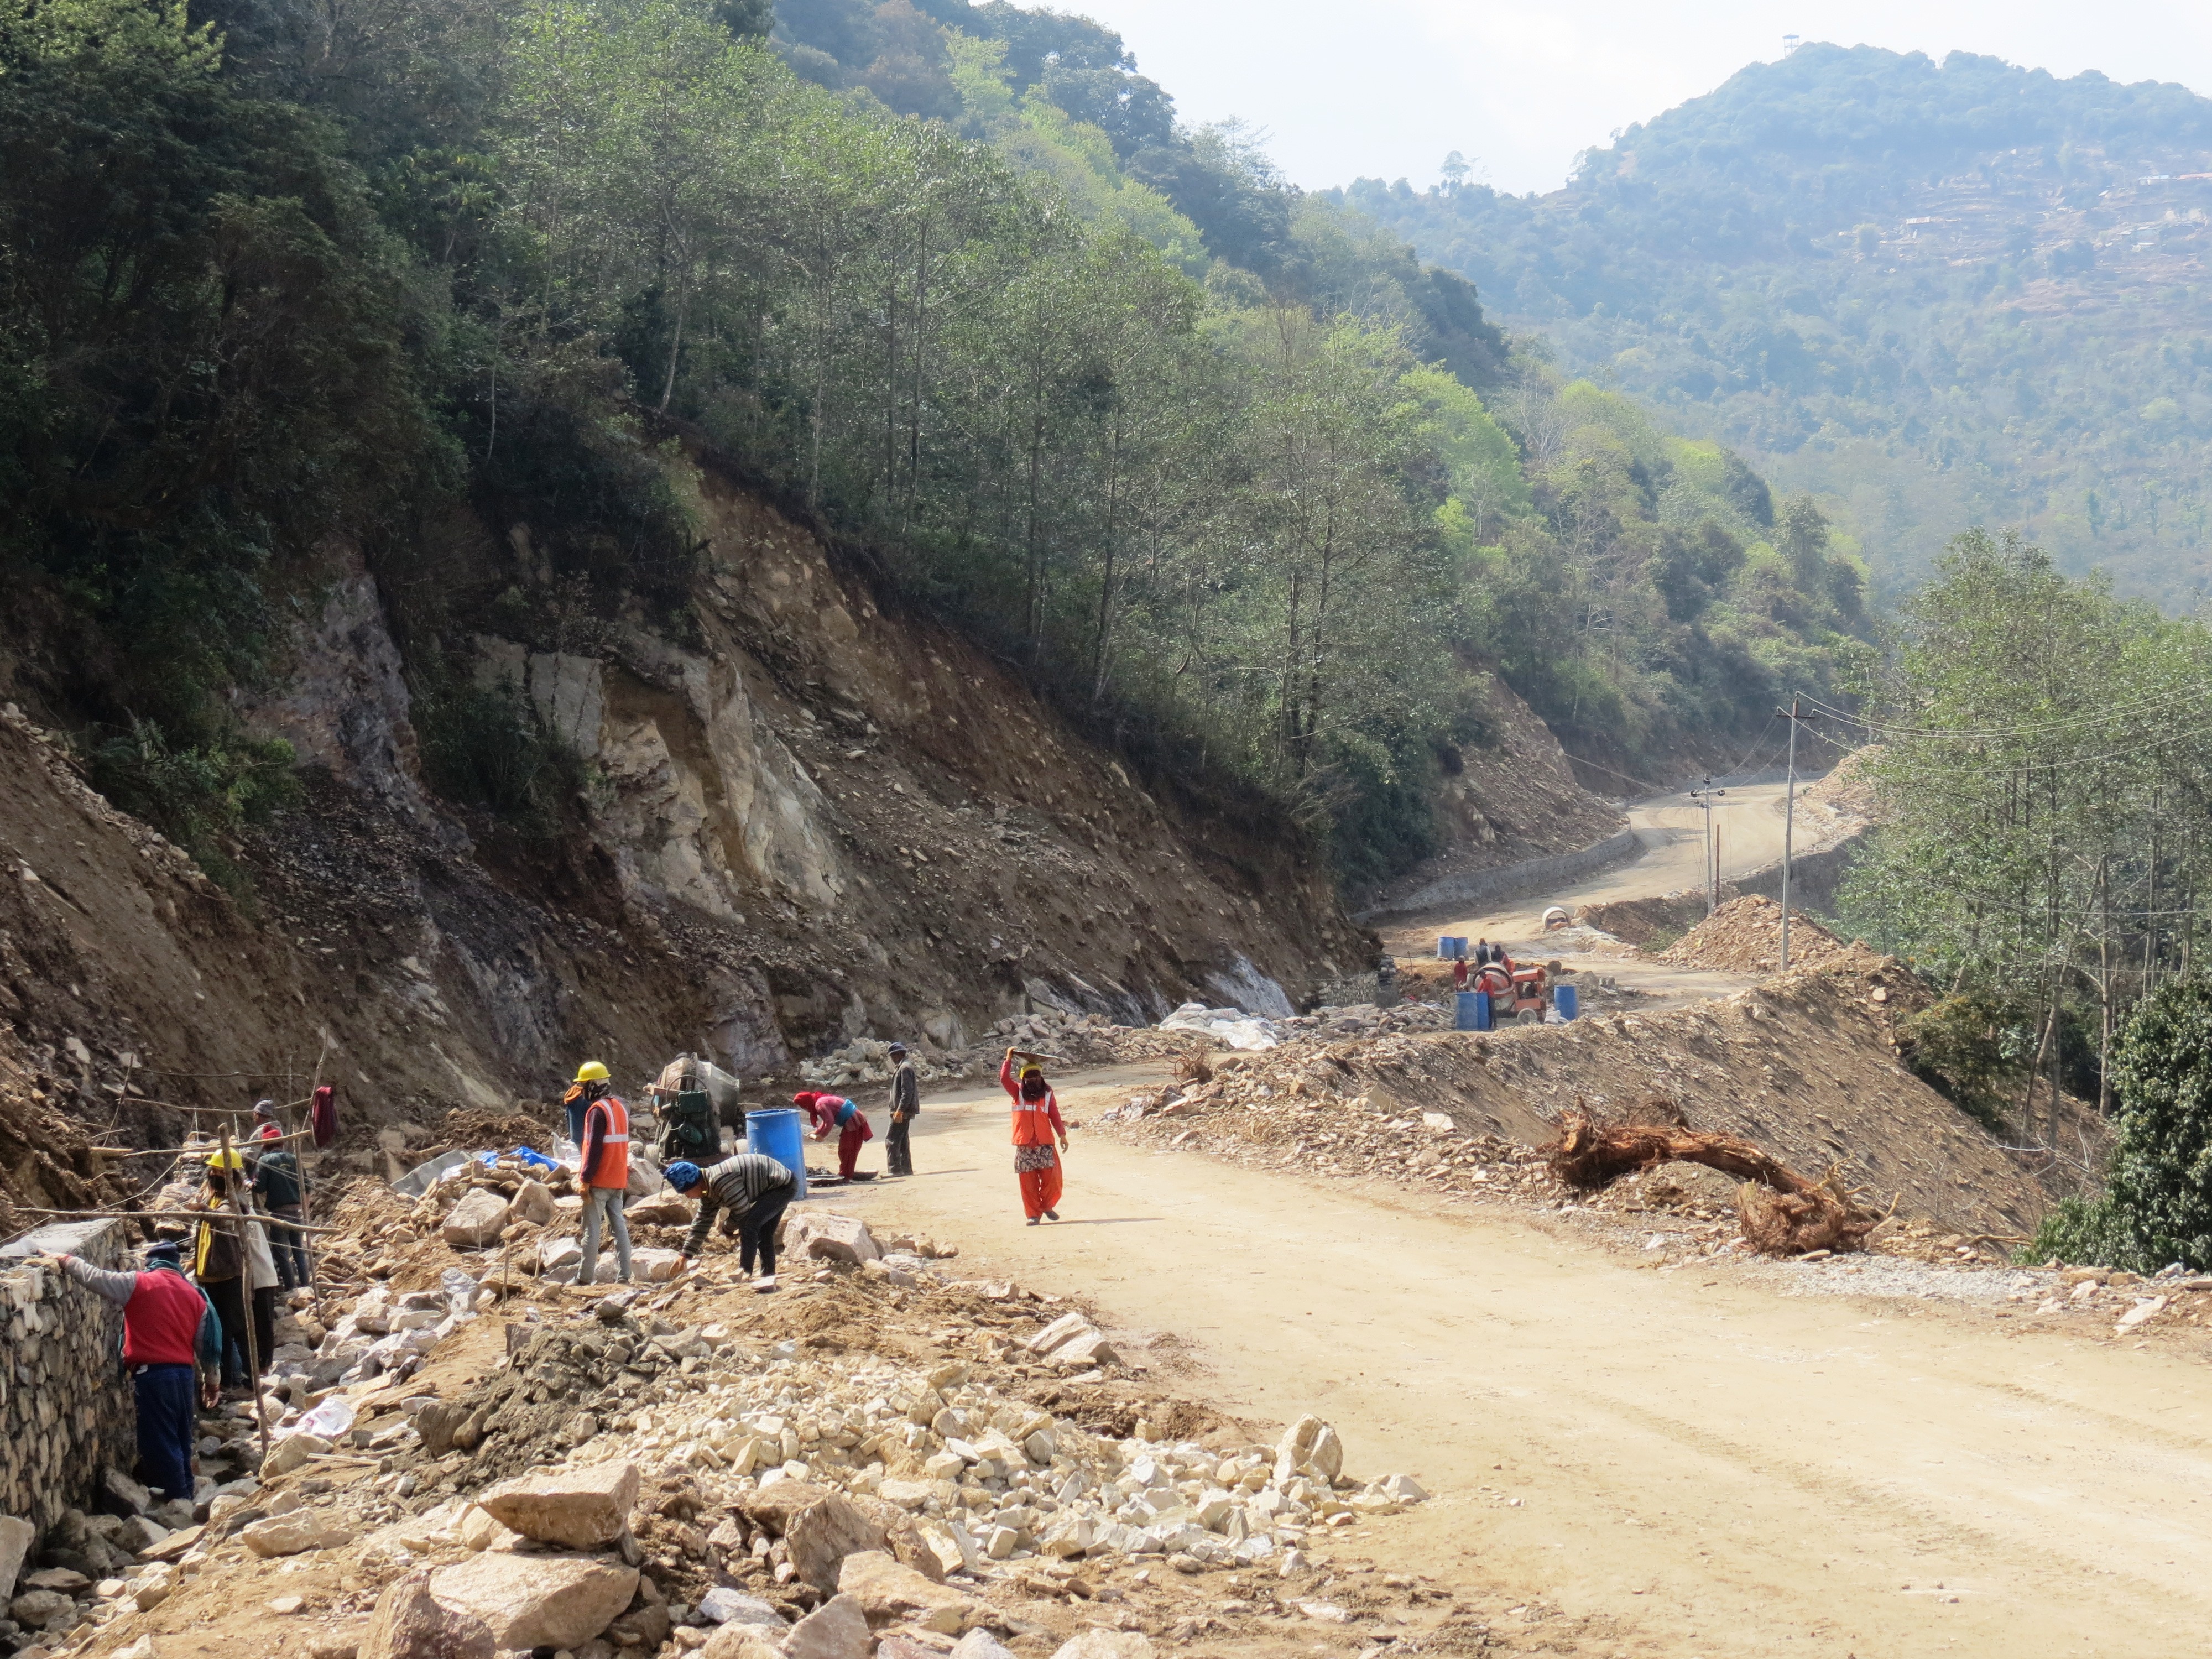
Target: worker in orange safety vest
603, 1173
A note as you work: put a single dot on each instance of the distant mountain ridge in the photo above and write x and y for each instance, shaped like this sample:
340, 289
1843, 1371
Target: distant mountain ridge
1934, 294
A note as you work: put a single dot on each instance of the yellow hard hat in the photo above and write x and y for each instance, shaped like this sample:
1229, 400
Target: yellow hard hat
591, 1071
230, 1160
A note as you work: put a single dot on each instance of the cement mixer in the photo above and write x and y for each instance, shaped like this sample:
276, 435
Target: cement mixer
1517, 991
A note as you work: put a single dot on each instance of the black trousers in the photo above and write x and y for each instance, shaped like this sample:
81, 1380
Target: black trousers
229, 1295
756, 1229
898, 1151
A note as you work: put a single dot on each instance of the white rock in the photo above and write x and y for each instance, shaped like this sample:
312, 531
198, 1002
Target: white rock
729, 1606
2141, 1312
290, 1534
579, 1508
1106, 1645
981, 1644
891, 1593
1062, 1330
475, 1221
838, 1629
537, 1601
533, 1201
822, 1236
1405, 1489
1309, 1444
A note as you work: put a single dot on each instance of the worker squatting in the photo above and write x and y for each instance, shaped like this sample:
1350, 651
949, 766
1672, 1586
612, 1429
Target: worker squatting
751, 1190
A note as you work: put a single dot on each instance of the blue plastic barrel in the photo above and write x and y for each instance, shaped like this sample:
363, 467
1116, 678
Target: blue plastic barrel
1563, 997
1472, 1010
1444, 947
777, 1134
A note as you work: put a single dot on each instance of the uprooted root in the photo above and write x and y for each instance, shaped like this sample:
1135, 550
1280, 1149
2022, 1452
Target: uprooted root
1782, 1213
1193, 1069
1821, 1217
1591, 1154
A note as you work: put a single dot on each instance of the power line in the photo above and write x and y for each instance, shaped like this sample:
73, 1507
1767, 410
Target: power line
2163, 703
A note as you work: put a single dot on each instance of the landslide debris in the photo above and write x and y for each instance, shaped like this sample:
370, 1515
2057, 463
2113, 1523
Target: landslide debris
1744, 936
1804, 1067
880, 1457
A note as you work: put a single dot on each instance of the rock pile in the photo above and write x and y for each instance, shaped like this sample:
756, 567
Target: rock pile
1745, 936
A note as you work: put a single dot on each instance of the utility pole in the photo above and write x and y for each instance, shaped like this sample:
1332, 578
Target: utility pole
1789, 825
1705, 798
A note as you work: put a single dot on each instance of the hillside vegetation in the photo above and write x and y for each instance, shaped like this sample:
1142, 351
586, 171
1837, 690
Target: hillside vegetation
1932, 294
480, 288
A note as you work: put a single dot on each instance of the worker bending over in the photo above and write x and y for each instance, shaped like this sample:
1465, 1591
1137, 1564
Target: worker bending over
835, 1112
752, 1186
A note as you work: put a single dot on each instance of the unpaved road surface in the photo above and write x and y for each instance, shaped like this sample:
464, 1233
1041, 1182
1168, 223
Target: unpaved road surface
1749, 823
1700, 1465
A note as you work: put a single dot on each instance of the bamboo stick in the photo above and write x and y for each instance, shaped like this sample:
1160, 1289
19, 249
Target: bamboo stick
158, 1215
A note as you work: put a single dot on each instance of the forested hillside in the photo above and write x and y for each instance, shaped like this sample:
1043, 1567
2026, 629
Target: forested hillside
1220, 468
1934, 294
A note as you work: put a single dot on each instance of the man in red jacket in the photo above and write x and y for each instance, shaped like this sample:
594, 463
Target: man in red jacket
170, 1334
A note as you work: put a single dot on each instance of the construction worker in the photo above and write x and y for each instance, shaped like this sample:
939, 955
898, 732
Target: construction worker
752, 1186
835, 1112
1036, 1122
590, 1083
265, 1126
1459, 973
1486, 952
603, 1174
171, 1338
906, 1102
218, 1265
278, 1183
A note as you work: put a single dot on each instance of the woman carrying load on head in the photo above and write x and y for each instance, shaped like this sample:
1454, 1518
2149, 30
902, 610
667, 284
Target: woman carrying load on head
1036, 1125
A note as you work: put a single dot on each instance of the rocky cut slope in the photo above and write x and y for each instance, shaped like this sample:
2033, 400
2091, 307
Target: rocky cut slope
798, 819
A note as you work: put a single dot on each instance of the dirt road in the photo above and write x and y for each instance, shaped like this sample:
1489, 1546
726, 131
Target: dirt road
1703, 1466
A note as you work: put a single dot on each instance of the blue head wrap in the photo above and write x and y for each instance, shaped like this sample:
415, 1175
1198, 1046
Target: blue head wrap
682, 1175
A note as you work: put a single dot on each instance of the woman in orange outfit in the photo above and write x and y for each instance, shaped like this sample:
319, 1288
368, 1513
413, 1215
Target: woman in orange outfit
1037, 1123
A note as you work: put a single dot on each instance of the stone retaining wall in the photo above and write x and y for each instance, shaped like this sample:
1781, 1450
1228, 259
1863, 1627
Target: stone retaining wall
65, 1407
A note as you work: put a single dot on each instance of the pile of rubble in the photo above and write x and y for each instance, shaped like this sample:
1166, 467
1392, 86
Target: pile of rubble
1745, 936
639, 1473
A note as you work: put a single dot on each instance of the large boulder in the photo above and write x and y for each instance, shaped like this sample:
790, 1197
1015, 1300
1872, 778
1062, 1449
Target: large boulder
289, 1453
819, 1527
476, 1221
409, 1622
893, 1593
537, 1601
666, 1208
1062, 1330
533, 1202
836, 1630
1087, 1347
1309, 1447
16, 1537
580, 1508
821, 1236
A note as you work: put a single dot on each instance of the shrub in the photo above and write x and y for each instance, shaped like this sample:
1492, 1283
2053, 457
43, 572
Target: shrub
2157, 1204
199, 793
486, 747
1965, 1046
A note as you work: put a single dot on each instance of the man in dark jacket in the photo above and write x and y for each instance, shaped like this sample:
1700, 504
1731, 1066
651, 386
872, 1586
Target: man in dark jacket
170, 1335
905, 1101
276, 1179
755, 1188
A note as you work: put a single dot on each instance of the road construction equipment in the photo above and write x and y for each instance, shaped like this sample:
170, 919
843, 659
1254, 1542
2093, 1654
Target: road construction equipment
1517, 991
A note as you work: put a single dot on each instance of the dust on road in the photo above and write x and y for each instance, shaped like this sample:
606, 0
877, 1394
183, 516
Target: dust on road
1690, 1460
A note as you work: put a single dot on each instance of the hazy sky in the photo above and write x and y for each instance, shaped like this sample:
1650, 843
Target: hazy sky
1386, 88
